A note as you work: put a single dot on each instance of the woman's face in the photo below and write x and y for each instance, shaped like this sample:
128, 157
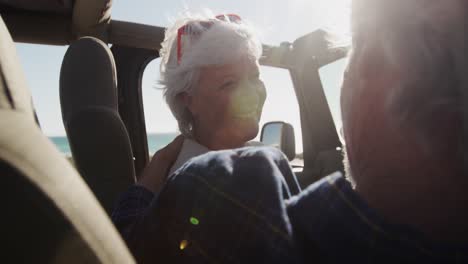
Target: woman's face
227, 104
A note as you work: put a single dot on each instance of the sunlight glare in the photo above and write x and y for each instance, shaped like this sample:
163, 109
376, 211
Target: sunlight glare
333, 15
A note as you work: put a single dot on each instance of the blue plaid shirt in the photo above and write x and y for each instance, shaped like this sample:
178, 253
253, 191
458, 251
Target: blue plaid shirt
239, 206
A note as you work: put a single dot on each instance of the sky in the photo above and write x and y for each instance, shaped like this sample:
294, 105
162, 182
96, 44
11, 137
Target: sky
275, 22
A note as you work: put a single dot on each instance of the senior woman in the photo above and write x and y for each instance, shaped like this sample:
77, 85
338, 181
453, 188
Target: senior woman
210, 75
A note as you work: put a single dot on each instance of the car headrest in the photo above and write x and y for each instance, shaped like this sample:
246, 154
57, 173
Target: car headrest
98, 138
79, 69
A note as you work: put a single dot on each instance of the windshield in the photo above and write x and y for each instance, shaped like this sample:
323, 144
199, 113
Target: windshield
161, 125
275, 22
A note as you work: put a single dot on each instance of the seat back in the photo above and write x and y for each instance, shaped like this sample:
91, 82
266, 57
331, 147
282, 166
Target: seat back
49, 214
98, 139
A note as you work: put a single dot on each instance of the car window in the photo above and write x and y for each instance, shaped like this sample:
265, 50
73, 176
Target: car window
161, 126
331, 76
41, 64
280, 105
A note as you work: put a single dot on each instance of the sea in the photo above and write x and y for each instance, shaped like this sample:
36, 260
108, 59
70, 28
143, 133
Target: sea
156, 141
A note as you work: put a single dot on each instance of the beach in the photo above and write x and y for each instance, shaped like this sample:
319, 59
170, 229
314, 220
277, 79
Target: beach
155, 142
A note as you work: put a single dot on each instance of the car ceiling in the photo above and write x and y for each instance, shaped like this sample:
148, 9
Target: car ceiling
60, 22
49, 6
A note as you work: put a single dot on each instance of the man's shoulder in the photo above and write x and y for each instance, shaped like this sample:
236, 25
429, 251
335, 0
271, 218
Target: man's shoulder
324, 214
232, 198
332, 217
318, 196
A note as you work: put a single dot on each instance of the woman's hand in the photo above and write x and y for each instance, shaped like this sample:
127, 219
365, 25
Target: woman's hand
155, 174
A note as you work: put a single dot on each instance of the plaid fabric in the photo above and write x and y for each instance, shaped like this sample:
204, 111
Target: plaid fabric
131, 205
331, 216
237, 206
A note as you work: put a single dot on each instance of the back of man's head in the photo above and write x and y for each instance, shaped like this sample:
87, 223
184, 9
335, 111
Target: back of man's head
403, 98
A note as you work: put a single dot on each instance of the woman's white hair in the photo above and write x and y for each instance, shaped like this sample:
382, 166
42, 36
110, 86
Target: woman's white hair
221, 43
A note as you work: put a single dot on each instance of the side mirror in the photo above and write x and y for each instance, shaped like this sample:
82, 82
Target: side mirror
281, 136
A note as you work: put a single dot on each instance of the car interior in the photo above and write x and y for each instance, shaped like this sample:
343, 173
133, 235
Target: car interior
54, 217
101, 102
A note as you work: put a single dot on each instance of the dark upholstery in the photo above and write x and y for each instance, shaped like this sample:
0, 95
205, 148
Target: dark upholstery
49, 215
98, 138
33, 212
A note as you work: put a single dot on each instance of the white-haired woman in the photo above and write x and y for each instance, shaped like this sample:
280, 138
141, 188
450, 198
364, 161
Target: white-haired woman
210, 75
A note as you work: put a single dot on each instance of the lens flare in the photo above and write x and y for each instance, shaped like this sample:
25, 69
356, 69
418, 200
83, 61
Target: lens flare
183, 244
194, 221
247, 101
